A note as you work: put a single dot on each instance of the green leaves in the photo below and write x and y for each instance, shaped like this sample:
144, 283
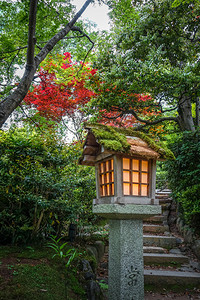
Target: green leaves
41, 186
155, 54
184, 176
69, 254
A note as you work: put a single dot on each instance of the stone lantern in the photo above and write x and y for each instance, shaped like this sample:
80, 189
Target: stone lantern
125, 163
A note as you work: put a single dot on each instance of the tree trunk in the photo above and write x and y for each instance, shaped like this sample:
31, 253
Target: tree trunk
10, 103
197, 112
185, 118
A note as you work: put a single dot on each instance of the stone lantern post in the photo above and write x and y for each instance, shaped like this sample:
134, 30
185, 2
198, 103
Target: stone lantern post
125, 163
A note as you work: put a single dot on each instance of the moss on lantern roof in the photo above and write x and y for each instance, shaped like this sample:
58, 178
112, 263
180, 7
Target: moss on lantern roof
114, 139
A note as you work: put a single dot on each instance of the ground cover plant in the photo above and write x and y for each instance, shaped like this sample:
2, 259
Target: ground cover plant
32, 272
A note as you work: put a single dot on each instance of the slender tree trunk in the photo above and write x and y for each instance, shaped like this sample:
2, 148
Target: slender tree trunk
197, 112
185, 118
39, 222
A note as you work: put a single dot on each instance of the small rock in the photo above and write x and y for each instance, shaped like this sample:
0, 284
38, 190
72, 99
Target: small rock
93, 251
195, 265
175, 251
196, 248
104, 265
93, 288
179, 241
99, 245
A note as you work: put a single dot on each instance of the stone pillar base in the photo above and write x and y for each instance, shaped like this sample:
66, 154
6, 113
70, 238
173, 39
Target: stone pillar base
126, 278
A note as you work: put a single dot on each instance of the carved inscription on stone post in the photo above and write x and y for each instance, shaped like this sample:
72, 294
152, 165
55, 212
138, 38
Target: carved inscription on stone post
132, 276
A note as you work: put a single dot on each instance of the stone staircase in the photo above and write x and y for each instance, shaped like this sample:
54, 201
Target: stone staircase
166, 264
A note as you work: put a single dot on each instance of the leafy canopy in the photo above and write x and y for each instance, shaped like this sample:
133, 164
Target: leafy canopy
156, 50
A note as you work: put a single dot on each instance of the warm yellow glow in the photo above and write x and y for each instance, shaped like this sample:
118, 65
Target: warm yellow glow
108, 190
144, 165
126, 176
103, 190
106, 170
127, 190
126, 163
111, 164
135, 164
144, 190
135, 188
107, 178
112, 177
112, 188
135, 177
144, 178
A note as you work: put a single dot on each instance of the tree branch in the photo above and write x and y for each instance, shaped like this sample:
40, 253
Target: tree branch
147, 122
73, 37
75, 28
17, 49
37, 125
60, 35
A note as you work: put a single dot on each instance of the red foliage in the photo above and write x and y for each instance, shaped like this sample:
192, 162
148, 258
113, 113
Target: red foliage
54, 100
122, 117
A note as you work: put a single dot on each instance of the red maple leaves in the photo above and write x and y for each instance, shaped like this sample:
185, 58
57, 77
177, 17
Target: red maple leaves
66, 87
61, 90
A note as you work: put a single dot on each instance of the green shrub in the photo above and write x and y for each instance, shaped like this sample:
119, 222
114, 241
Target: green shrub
184, 176
190, 203
41, 186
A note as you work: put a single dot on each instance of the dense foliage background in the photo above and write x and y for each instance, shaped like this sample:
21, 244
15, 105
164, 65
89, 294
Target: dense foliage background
42, 188
184, 176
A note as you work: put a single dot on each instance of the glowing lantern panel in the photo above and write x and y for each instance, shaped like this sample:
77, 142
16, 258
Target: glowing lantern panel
135, 177
106, 171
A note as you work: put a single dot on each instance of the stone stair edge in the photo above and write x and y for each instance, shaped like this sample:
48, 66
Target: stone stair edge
165, 278
165, 258
172, 273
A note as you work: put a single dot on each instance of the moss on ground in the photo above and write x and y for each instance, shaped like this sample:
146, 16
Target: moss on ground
31, 273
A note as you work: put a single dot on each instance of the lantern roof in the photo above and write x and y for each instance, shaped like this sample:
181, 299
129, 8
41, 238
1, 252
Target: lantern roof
104, 139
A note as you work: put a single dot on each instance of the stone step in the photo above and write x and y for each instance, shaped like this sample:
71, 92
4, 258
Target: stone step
156, 219
160, 241
157, 196
163, 194
165, 191
163, 258
164, 201
151, 249
163, 197
164, 278
155, 228
165, 206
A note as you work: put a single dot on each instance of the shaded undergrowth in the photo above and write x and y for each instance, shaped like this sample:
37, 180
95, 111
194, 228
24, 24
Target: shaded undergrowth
32, 273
